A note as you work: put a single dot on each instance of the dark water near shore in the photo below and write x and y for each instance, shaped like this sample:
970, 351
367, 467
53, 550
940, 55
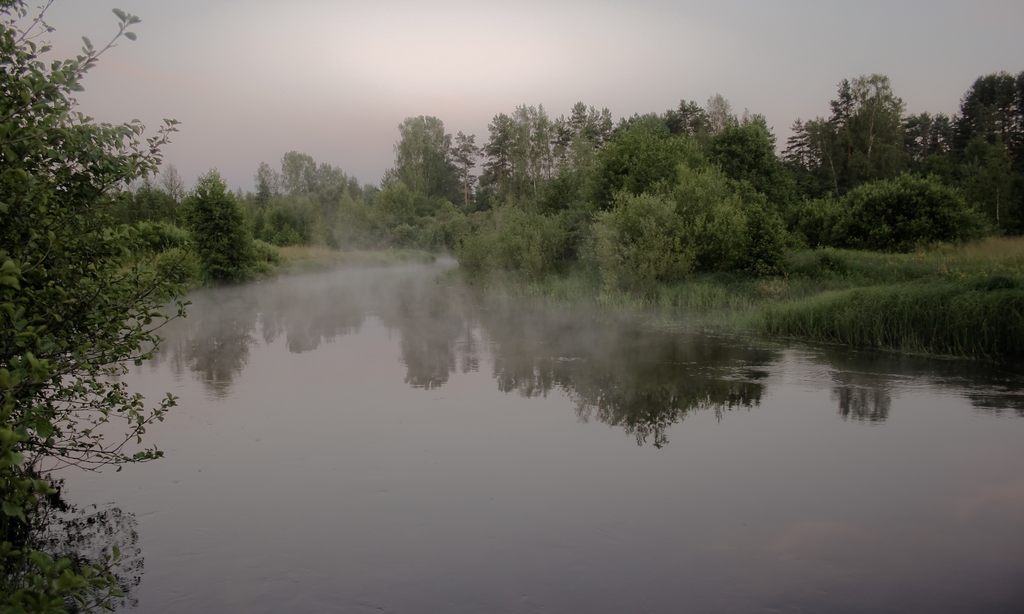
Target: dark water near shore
376, 441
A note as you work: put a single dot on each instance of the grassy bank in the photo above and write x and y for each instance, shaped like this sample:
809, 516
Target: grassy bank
302, 258
959, 319
949, 300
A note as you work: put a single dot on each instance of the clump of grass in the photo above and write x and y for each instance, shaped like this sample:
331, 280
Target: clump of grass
941, 317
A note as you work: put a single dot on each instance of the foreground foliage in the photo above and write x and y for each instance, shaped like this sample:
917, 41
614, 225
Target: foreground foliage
80, 297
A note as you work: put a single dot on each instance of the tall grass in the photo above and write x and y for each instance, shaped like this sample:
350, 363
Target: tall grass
982, 319
990, 257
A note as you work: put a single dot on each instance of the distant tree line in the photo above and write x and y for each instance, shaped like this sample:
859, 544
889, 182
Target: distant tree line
647, 199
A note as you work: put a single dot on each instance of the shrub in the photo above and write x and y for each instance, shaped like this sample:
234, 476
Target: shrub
513, 239
713, 214
178, 265
641, 242
816, 221
159, 236
765, 243
898, 215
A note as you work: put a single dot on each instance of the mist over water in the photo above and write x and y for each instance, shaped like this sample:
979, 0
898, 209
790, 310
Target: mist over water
389, 440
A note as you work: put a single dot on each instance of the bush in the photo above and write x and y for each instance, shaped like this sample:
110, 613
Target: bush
179, 266
640, 243
765, 243
512, 239
816, 221
159, 236
707, 223
713, 213
899, 215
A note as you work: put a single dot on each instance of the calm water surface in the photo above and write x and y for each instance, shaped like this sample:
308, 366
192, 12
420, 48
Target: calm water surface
376, 441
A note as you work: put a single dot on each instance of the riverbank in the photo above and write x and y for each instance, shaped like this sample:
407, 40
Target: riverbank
965, 301
309, 258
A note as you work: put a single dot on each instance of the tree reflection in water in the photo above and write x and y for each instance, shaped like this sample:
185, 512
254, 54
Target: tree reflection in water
103, 538
864, 403
616, 370
865, 381
433, 326
622, 373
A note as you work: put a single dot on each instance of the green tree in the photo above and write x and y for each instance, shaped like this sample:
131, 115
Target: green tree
993, 110
267, 183
861, 141
218, 229
988, 180
464, 155
77, 304
719, 114
298, 173
988, 144
746, 152
927, 141
689, 119
171, 182
498, 153
423, 157
146, 203
575, 139
642, 157
871, 130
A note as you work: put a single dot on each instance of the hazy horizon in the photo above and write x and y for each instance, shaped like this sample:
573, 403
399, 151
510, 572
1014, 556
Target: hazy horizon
334, 79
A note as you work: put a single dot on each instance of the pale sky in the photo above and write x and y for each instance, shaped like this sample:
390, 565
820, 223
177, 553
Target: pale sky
251, 80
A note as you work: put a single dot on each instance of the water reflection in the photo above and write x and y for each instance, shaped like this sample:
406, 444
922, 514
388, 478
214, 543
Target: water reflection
86, 537
214, 340
865, 382
617, 371
434, 328
623, 374
998, 402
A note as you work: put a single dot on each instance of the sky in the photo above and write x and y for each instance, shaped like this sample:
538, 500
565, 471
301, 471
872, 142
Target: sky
252, 80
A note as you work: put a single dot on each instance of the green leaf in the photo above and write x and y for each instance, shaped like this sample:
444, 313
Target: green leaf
130, 36
14, 511
121, 14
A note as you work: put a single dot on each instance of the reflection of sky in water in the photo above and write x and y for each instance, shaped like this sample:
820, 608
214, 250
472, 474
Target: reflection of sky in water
376, 439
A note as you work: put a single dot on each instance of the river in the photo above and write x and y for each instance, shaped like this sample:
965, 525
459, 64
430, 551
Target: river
385, 440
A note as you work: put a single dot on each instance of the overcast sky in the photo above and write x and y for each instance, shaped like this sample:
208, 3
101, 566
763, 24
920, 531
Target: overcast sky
251, 80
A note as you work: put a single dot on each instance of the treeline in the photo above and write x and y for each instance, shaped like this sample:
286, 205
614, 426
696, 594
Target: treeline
655, 197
